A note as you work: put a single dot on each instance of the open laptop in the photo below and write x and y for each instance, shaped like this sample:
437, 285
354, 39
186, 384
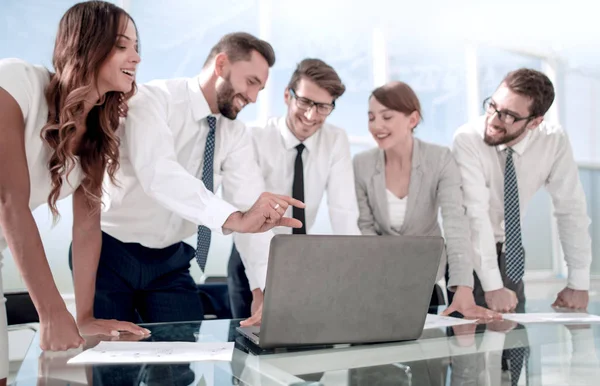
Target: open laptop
325, 289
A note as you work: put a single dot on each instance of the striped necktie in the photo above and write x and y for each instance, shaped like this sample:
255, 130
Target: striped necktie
204, 233
515, 262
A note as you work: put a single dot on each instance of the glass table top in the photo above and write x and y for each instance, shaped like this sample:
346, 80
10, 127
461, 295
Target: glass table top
498, 353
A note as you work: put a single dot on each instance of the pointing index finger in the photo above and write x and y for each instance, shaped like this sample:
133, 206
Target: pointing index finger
291, 201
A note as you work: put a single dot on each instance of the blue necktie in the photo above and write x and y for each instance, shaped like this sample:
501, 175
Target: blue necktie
515, 262
203, 244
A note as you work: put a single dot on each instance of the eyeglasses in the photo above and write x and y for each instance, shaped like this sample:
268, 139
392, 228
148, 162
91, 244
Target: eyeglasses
490, 107
307, 104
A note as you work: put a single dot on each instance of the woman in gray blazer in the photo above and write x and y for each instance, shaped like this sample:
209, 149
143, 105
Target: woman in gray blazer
402, 184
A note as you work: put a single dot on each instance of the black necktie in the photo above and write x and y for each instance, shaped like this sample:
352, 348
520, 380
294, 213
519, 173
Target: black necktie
298, 191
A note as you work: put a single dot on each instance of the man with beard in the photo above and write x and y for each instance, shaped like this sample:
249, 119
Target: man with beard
179, 143
505, 157
302, 155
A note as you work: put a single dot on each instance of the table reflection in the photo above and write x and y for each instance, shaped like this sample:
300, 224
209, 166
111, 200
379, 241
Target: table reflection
481, 354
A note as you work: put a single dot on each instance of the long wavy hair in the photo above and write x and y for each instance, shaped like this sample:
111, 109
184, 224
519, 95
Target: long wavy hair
86, 36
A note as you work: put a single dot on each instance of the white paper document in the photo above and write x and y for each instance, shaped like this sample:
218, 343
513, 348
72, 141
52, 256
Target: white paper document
155, 352
556, 317
437, 321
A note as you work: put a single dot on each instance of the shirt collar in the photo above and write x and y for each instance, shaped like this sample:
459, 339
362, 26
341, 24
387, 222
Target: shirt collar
198, 102
520, 147
290, 141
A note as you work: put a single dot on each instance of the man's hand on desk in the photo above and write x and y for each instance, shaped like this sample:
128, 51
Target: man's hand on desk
464, 302
570, 298
266, 213
501, 300
255, 309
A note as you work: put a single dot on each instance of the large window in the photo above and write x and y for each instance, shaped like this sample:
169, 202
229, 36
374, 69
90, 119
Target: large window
176, 37
494, 63
590, 177
28, 29
346, 46
436, 71
581, 120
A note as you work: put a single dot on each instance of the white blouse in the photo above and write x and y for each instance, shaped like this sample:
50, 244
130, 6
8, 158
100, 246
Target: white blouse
396, 208
26, 83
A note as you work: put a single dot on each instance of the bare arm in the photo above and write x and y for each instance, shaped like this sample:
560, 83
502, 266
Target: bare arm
87, 242
16, 219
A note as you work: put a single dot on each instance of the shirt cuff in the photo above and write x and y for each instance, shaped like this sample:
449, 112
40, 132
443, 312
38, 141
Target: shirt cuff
257, 278
579, 279
491, 280
216, 213
254, 252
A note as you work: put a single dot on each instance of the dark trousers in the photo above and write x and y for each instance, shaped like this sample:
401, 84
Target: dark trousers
240, 296
512, 359
519, 287
478, 292
145, 285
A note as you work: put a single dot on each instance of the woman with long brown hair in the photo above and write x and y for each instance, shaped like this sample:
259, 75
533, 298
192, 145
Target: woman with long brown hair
58, 137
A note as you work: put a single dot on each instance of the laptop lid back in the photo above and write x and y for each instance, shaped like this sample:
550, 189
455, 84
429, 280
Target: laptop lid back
325, 289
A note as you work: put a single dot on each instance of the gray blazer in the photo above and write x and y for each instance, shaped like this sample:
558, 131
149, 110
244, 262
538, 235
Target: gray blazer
435, 182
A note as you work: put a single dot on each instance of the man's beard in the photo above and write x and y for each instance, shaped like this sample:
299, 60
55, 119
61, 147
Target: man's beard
506, 138
225, 97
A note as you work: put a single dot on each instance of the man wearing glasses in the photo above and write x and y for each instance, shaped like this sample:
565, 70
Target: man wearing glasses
505, 157
301, 155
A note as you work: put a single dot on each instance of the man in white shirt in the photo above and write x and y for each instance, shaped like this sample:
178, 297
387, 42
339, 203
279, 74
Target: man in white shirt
301, 154
179, 143
505, 157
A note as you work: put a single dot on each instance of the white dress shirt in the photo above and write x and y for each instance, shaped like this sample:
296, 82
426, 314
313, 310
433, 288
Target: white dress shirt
327, 167
26, 84
543, 158
396, 208
161, 199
